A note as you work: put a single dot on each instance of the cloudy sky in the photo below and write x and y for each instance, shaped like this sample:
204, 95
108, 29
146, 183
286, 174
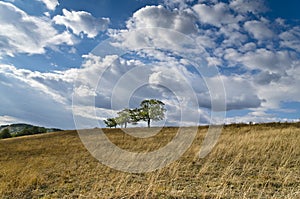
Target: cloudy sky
65, 61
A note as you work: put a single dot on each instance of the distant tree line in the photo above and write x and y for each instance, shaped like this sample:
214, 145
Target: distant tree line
149, 110
28, 130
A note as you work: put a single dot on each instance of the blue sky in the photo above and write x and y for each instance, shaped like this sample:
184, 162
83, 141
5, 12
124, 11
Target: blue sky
74, 63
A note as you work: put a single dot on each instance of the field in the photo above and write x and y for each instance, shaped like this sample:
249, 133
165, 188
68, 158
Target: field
249, 161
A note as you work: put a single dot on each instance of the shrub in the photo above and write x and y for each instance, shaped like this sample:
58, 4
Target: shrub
5, 134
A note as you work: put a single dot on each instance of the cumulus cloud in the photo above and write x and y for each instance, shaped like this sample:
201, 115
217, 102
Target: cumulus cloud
82, 22
281, 90
181, 4
22, 33
157, 27
267, 60
248, 6
50, 4
259, 30
233, 36
240, 93
217, 14
160, 17
290, 39
265, 78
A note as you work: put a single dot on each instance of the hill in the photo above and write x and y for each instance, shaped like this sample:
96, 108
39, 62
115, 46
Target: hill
20, 129
249, 161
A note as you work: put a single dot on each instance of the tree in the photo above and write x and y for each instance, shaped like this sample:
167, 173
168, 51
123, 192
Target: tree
135, 116
5, 134
152, 109
110, 122
25, 131
124, 117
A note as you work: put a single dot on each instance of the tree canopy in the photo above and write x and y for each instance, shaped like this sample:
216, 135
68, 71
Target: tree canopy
152, 110
149, 110
5, 134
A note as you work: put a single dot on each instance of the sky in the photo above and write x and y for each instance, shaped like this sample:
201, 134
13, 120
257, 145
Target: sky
71, 64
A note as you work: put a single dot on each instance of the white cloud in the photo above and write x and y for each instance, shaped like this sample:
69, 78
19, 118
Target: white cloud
245, 6
55, 85
257, 117
82, 22
50, 4
250, 46
217, 15
235, 87
290, 38
283, 89
156, 27
266, 60
260, 59
233, 36
265, 77
181, 4
213, 61
206, 41
259, 30
160, 17
31, 100
6, 119
22, 33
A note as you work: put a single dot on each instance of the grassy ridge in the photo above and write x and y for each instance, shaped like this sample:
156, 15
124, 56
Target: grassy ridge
257, 161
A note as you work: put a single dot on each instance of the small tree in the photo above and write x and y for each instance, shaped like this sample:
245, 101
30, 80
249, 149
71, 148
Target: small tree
152, 109
5, 134
123, 117
110, 122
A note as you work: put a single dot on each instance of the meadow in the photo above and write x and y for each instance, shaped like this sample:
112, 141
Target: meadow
249, 161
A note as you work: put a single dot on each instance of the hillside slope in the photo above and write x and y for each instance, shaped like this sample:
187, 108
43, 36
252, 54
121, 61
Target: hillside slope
258, 161
21, 129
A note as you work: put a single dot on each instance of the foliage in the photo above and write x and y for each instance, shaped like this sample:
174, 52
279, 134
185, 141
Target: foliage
21, 129
5, 134
152, 109
110, 122
31, 131
135, 116
123, 118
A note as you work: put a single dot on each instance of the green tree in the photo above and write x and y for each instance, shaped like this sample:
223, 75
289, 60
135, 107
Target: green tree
42, 130
135, 116
152, 109
110, 122
5, 134
124, 117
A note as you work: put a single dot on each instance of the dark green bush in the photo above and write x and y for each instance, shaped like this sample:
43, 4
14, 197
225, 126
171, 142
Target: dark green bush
5, 134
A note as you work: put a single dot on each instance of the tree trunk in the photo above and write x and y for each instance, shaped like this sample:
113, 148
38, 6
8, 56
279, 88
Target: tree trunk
125, 125
148, 123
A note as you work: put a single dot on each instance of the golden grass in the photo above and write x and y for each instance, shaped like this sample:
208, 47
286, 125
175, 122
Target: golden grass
258, 161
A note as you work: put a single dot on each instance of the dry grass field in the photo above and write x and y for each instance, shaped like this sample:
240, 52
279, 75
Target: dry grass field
257, 161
